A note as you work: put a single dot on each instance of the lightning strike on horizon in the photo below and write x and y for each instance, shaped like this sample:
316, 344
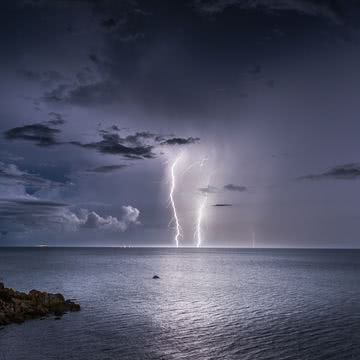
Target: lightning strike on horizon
172, 201
253, 238
199, 221
200, 214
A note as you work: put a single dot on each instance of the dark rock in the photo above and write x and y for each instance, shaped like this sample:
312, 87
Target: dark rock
156, 277
16, 307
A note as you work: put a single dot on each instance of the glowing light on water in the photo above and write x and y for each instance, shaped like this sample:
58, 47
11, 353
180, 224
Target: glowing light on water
172, 201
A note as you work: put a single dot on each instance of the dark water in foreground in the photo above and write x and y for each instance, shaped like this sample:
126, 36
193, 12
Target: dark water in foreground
208, 304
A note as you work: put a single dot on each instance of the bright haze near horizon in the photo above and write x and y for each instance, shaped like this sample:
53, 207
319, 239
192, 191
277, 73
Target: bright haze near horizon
259, 98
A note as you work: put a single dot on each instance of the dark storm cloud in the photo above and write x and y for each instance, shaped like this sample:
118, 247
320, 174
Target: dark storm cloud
107, 168
222, 205
40, 134
180, 141
342, 172
121, 74
157, 85
325, 8
113, 144
232, 187
134, 146
139, 137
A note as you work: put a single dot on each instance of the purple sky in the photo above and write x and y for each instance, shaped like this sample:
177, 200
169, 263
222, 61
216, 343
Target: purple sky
99, 97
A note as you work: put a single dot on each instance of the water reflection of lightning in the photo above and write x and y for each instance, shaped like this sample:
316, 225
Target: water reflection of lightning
172, 189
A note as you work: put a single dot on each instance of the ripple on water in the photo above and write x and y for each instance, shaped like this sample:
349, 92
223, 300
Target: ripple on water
207, 304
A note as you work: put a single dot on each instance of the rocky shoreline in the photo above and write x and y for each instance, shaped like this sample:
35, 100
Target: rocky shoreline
16, 307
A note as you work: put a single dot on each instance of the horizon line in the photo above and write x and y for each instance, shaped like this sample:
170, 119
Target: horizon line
43, 246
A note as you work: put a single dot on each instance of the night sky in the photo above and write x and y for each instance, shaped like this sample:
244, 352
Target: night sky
259, 98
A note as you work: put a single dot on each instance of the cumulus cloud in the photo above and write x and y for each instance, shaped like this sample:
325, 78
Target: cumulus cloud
92, 220
22, 214
24, 210
232, 187
342, 172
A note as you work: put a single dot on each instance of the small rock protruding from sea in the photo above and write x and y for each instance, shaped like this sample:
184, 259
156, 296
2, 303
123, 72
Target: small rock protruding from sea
16, 306
156, 277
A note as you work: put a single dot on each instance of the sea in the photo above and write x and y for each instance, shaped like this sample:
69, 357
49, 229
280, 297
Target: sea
207, 304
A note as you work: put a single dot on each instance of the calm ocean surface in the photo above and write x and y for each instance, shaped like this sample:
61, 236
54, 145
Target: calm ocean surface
208, 304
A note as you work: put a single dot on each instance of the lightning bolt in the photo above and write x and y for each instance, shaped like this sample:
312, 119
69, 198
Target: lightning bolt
199, 220
200, 162
200, 214
172, 201
253, 238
